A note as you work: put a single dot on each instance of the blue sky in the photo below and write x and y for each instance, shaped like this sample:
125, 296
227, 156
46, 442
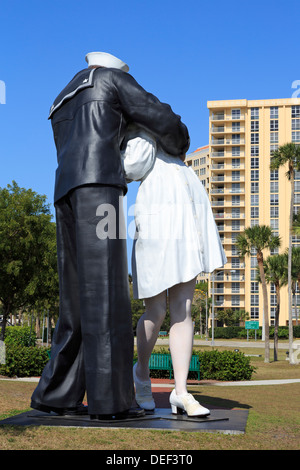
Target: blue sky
185, 52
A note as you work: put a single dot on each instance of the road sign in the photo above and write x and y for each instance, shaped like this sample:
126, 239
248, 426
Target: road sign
251, 325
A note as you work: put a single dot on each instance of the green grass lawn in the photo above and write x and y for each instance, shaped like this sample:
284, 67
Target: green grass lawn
273, 420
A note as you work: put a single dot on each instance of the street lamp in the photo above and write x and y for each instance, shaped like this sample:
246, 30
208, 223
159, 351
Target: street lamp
213, 303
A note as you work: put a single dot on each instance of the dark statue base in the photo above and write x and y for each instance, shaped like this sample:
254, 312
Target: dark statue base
223, 421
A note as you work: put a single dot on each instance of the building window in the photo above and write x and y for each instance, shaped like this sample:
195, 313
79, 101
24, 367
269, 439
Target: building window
236, 114
273, 148
254, 199
235, 300
235, 224
236, 138
254, 126
235, 287
273, 299
296, 111
254, 287
254, 150
235, 263
235, 188
236, 163
274, 112
254, 175
255, 138
254, 313
254, 187
274, 199
202, 160
254, 113
274, 187
274, 224
253, 274
236, 213
254, 162
274, 125
274, 137
274, 212
236, 151
295, 124
236, 175
236, 127
196, 162
274, 175
254, 212
236, 200
254, 299
296, 136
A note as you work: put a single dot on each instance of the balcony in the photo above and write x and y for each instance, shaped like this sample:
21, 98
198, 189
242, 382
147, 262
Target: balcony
217, 203
222, 166
228, 129
227, 141
225, 117
227, 154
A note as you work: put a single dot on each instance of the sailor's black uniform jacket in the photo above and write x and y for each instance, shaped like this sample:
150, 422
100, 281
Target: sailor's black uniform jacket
89, 120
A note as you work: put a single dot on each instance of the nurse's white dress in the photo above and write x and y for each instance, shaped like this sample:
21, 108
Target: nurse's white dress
176, 235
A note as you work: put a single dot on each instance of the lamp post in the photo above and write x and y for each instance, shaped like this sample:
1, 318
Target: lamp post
213, 303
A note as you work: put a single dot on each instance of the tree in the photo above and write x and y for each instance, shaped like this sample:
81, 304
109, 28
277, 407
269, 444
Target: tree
27, 250
296, 265
295, 275
201, 306
257, 239
232, 317
296, 224
289, 155
275, 267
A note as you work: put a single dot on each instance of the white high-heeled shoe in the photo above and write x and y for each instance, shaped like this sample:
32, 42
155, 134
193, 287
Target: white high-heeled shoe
186, 402
143, 393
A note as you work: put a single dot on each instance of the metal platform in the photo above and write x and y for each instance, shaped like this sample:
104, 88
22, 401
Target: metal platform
220, 420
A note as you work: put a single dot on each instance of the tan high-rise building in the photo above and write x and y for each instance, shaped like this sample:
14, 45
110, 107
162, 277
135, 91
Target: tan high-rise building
244, 192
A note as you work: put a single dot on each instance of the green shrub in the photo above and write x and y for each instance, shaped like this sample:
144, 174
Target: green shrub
221, 332
23, 361
20, 336
225, 365
215, 365
228, 332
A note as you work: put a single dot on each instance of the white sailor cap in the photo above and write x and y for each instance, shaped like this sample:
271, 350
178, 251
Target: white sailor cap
105, 60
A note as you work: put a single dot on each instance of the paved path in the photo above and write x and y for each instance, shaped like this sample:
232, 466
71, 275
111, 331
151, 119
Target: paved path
229, 343
170, 384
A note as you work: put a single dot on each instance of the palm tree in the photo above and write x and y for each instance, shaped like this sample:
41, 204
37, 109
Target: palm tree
275, 267
296, 224
289, 154
295, 275
259, 238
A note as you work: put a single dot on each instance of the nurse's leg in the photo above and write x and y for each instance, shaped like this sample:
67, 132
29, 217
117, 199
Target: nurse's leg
148, 328
181, 332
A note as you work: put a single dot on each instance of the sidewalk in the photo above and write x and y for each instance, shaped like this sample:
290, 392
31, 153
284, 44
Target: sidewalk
228, 343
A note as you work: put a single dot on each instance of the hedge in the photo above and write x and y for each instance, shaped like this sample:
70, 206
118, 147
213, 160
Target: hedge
228, 332
215, 365
20, 335
24, 361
